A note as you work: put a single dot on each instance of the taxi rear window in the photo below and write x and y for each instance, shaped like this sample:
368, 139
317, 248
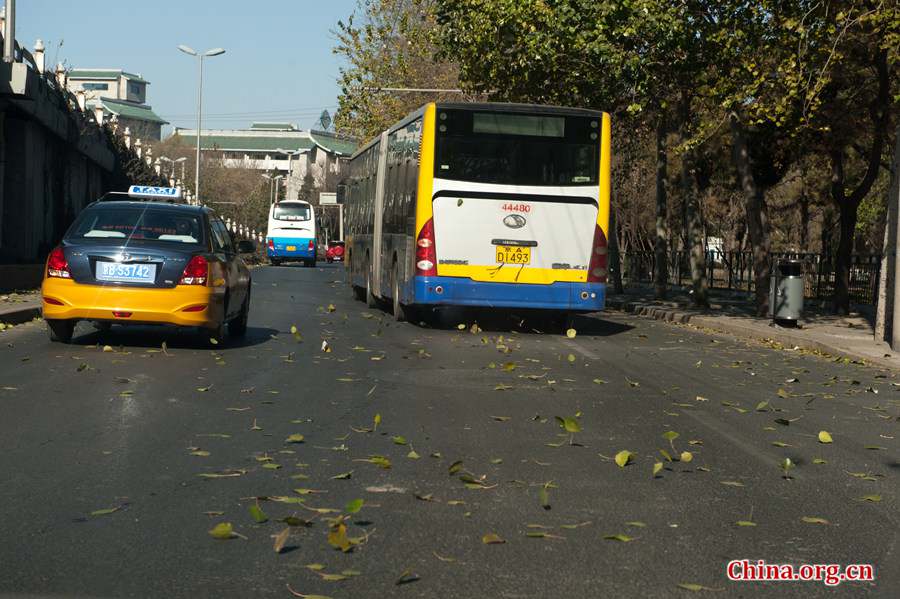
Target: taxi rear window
134, 223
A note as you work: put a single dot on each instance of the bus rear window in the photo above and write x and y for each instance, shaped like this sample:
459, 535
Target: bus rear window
291, 212
517, 149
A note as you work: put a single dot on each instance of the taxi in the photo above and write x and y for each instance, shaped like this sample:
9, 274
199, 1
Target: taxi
145, 258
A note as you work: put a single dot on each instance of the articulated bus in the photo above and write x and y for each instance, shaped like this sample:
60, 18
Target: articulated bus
487, 205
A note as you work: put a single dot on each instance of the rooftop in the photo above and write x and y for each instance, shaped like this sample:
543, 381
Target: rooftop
131, 110
105, 74
268, 140
273, 127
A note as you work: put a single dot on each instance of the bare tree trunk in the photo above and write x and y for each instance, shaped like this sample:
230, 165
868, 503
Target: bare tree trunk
660, 266
615, 260
827, 228
804, 214
757, 225
693, 218
884, 313
849, 204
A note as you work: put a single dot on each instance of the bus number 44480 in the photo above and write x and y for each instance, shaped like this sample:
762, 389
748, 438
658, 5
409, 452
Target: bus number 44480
516, 208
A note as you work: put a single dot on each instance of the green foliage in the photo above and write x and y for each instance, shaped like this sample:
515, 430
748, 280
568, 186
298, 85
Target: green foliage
386, 43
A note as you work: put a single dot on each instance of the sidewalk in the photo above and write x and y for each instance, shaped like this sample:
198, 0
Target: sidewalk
16, 308
845, 336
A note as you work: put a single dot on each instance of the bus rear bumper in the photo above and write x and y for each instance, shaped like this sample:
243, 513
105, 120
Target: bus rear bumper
290, 248
455, 291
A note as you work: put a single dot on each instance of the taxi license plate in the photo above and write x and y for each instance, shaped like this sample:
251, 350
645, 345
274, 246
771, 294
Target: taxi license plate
513, 254
126, 273
292, 248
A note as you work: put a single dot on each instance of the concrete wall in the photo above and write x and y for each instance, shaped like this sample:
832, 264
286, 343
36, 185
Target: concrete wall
54, 160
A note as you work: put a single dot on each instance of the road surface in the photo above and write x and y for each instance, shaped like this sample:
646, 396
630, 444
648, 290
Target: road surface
107, 456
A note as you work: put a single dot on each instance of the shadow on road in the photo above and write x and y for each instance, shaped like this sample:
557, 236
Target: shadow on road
174, 337
521, 321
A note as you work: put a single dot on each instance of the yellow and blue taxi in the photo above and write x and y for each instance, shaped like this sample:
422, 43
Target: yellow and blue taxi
145, 258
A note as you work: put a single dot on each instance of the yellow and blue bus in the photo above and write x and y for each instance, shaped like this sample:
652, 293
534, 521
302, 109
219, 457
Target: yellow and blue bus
488, 205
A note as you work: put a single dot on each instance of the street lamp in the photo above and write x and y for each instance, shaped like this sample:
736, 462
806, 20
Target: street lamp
290, 155
273, 186
208, 53
182, 160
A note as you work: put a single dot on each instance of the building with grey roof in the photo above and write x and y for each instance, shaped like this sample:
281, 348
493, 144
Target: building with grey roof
318, 157
120, 94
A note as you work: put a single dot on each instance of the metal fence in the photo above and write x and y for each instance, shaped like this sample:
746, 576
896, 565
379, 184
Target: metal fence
734, 271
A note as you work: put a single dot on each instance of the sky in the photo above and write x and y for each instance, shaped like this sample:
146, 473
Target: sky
278, 64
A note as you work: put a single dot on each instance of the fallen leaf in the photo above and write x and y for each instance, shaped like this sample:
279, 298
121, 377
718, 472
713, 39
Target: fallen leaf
280, 539
620, 538
825, 437
354, 506
623, 458
657, 467
686, 456
492, 539
571, 333
106, 511
295, 438
257, 514
745, 523
544, 497
692, 586
342, 476
455, 467
813, 520
871, 498
222, 531
407, 576
398, 440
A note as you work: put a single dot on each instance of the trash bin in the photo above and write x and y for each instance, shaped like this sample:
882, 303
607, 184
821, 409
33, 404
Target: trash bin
786, 292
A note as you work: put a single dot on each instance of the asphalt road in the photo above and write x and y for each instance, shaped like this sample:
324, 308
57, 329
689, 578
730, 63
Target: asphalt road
102, 455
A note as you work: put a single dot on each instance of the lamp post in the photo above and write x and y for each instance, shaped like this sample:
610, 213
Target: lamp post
208, 53
290, 154
273, 186
182, 160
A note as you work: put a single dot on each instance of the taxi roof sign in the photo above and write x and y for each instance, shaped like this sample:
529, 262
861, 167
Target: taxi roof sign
148, 192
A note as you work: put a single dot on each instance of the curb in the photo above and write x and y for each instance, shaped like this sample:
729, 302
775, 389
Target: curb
673, 314
19, 315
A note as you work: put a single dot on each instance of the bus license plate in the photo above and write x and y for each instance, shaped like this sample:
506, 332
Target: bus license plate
512, 254
292, 248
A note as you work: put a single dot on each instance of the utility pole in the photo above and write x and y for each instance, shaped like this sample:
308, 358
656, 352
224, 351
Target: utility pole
9, 32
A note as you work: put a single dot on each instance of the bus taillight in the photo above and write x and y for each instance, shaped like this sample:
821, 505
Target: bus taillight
426, 256
597, 271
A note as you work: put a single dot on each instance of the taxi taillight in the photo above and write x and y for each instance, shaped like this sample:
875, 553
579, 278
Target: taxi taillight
196, 272
597, 270
57, 265
426, 254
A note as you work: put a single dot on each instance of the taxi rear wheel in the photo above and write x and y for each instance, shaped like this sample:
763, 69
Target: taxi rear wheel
238, 325
61, 331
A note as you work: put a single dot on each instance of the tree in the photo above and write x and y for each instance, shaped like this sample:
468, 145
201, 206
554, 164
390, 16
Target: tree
635, 59
387, 43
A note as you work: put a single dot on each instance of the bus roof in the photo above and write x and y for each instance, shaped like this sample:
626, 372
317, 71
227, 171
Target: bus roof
483, 107
519, 108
